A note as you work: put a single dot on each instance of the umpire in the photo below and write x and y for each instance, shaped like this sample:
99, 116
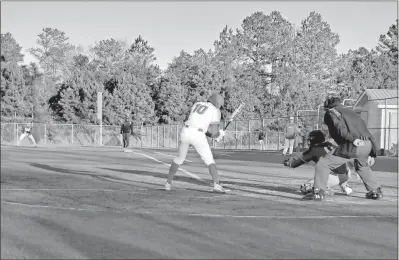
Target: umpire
354, 140
126, 131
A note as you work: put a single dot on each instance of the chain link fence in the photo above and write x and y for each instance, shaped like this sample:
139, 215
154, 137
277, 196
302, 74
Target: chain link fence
240, 134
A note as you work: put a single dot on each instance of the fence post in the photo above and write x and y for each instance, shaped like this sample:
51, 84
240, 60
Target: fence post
385, 126
249, 134
163, 135
235, 122
72, 133
157, 136
177, 135
16, 132
389, 130
224, 143
101, 132
170, 134
45, 133
278, 134
151, 135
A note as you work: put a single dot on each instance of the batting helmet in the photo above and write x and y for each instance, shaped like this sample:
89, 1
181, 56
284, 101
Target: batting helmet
316, 137
217, 100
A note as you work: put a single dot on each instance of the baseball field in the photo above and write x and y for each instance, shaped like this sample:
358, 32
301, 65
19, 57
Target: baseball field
104, 202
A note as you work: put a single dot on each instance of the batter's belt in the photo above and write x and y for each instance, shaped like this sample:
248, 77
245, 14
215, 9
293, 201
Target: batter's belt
199, 129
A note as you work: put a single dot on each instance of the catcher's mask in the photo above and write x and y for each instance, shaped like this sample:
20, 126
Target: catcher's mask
316, 137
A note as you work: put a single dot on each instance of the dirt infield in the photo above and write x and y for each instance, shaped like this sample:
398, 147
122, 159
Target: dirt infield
87, 202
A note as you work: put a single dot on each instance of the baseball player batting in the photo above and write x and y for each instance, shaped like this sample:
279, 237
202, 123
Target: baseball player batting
203, 121
318, 147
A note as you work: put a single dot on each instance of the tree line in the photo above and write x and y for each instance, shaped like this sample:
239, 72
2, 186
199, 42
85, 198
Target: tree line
273, 66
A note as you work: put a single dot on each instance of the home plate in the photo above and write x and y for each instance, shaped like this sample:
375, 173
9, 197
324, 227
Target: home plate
128, 151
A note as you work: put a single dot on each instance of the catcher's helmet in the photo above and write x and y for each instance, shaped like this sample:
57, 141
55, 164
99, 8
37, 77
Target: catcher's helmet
316, 137
217, 100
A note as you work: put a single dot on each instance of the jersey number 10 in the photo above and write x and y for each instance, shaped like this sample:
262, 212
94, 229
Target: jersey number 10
200, 109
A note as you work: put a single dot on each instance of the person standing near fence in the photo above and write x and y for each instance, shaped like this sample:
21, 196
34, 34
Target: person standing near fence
261, 138
290, 132
27, 132
354, 141
126, 131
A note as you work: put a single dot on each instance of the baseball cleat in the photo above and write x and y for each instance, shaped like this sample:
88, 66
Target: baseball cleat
168, 186
316, 194
346, 189
375, 194
218, 188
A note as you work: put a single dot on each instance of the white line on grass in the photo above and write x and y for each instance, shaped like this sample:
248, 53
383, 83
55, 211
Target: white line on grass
172, 156
105, 190
205, 215
180, 169
48, 207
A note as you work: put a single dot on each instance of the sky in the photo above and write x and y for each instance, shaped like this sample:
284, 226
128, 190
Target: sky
173, 26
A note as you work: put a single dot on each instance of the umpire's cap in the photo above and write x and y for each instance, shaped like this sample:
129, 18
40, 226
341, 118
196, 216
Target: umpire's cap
331, 102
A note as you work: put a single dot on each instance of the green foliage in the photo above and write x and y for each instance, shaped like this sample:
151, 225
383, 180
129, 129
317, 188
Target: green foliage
10, 49
52, 51
388, 43
304, 67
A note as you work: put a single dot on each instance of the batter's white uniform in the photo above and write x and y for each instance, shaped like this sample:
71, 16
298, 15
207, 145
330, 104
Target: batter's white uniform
202, 115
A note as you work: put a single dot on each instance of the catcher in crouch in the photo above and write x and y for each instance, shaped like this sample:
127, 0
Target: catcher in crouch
318, 147
203, 121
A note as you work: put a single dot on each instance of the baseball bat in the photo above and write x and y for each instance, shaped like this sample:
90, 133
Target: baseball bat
233, 115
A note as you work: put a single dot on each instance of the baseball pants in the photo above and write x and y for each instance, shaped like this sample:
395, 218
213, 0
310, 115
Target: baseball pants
192, 136
331, 162
289, 143
126, 137
30, 136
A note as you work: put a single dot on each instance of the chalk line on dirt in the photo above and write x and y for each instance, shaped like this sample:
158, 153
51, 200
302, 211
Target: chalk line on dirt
180, 169
171, 156
205, 215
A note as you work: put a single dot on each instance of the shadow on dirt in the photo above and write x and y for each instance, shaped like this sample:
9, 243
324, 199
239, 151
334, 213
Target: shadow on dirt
185, 179
162, 176
60, 170
209, 182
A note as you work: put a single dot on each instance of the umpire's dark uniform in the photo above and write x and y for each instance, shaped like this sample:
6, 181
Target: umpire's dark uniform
126, 130
345, 126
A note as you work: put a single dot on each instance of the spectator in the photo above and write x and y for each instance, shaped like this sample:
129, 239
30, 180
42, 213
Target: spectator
126, 130
298, 139
261, 138
290, 132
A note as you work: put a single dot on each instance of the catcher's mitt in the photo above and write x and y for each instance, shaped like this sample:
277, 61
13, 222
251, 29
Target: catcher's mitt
289, 161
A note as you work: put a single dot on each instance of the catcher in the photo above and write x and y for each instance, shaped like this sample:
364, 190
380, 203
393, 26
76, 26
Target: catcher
319, 147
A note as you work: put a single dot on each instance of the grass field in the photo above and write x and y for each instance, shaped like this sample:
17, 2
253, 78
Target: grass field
102, 202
